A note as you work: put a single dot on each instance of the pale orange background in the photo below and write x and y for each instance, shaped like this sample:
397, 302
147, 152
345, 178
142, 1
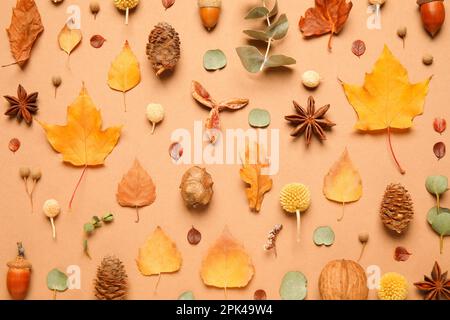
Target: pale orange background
274, 90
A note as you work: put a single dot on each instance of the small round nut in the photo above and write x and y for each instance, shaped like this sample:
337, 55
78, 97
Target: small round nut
427, 59
311, 79
51, 208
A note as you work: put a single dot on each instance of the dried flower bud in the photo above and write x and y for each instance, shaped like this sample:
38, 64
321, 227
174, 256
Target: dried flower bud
56, 80
402, 31
36, 174
155, 114
24, 172
51, 208
94, 6
363, 237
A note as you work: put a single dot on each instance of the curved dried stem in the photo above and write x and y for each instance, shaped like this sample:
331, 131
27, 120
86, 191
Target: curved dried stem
297, 213
392, 152
76, 187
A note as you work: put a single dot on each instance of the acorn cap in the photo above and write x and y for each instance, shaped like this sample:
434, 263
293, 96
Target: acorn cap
209, 3
421, 2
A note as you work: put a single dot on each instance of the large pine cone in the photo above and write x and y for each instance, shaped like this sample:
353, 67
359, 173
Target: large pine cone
112, 281
163, 48
396, 208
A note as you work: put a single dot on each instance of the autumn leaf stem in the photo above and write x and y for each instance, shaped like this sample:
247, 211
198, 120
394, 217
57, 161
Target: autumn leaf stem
76, 187
330, 40
392, 152
137, 214
125, 101
157, 283
342, 213
298, 225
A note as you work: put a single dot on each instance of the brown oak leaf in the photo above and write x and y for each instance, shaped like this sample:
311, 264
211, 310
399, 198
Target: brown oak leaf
328, 16
136, 189
25, 28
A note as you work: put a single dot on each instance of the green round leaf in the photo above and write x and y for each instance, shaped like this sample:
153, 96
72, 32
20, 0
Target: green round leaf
279, 29
436, 184
88, 227
279, 60
258, 12
433, 212
259, 118
57, 280
187, 295
323, 236
441, 224
293, 286
256, 34
214, 60
251, 58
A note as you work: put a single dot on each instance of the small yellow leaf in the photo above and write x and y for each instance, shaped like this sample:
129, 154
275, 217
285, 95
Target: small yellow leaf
158, 255
69, 39
343, 183
387, 100
124, 73
227, 264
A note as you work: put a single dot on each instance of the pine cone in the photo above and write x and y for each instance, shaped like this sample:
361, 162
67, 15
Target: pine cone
112, 281
163, 48
396, 208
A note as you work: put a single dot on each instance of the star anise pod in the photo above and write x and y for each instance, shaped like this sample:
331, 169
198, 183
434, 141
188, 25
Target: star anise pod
437, 287
23, 106
310, 121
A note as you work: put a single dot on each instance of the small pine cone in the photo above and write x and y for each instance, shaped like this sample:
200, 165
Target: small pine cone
396, 208
163, 48
112, 281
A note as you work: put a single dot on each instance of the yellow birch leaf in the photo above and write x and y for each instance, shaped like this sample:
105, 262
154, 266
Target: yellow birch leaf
82, 142
343, 183
124, 73
387, 100
69, 39
158, 255
227, 264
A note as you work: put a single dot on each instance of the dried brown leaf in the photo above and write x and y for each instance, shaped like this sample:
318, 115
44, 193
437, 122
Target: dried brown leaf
97, 41
168, 3
14, 145
358, 48
439, 125
25, 28
194, 236
136, 189
401, 254
439, 150
201, 95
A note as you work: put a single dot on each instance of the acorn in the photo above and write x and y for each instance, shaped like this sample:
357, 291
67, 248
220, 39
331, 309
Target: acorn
19, 275
432, 13
209, 12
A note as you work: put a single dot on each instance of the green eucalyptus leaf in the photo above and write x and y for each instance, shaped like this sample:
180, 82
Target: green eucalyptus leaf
251, 58
433, 212
256, 34
323, 236
256, 13
279, 60
259, 118
274, 10
441, 224
436, 185
214, 60
57, 280
293, 286
278, 29
88, 227
187, 295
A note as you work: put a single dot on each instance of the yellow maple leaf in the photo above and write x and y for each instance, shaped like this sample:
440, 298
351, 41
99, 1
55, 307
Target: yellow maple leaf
82, 142
343, 183
69, 39
227, 264
124, 73
387, 100
251, 174
158, 255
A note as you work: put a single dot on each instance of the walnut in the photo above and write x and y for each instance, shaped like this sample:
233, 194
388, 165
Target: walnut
196, 187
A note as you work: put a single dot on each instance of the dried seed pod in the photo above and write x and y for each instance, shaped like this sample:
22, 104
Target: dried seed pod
363, 238
209, 12
52, 209
196, 187
427, 59
14, 145
163, 48
56, 81
402, 32
396, 209
19, 275
155, 114
94, 6
432, 13
24, 172
36, 174
111, 282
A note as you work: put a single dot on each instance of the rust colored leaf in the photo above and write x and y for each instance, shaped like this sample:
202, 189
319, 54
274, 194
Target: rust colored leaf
14, 145
194, 236
260, 295
439, 150
201, 95
25, 28
328, 16
136, 189
251, 173
401, 254
358, 48
439, 125
97, 41
168, 3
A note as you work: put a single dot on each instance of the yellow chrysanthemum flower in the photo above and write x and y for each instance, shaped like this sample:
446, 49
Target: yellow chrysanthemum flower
393, 286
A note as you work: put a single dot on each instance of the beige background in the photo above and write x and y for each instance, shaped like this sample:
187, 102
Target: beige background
273, 90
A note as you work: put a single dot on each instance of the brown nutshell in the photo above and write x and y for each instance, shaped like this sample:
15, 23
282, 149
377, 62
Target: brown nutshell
196, 187
396, 210
343, 280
